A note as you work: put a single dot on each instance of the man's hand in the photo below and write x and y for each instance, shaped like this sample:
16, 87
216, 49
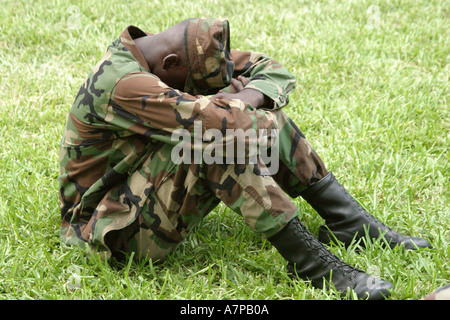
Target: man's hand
238, 91
237, 85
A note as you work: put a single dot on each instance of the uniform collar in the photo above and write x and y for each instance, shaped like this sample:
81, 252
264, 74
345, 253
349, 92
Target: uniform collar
127, 38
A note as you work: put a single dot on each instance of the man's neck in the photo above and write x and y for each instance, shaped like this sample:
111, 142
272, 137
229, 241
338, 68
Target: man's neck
150, 48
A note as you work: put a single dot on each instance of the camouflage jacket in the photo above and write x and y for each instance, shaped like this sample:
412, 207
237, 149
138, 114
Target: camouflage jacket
122, 111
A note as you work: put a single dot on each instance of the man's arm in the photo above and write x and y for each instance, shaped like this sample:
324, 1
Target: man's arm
238, 90
265, 75
143, 104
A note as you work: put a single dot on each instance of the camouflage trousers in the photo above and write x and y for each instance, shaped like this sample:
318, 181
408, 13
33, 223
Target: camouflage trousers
171, 198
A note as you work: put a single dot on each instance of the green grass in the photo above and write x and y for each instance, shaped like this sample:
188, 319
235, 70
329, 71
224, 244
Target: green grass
372, 98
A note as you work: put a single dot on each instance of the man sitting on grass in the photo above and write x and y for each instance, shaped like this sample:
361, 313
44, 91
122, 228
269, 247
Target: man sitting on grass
161, 132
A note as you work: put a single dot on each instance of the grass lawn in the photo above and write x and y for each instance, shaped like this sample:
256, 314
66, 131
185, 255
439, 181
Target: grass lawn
372, 97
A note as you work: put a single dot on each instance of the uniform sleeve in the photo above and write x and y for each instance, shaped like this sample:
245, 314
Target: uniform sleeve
266, 75
143, 104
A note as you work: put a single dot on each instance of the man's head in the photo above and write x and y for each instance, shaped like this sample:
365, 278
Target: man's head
192, 56
166, 55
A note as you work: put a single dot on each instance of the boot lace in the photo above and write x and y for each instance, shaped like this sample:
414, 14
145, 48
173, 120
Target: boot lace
371, 218
327, 257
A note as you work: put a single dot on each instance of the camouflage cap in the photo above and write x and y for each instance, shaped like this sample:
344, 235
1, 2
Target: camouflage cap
207, 43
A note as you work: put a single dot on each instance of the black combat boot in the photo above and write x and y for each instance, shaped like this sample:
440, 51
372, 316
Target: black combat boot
308, 259
345, 219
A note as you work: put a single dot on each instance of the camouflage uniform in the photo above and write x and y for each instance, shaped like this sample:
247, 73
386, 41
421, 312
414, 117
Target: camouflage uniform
120, 191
